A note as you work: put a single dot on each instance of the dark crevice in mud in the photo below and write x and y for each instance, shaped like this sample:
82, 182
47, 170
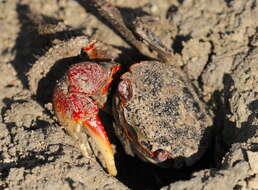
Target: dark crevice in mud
232, 133
181, 1
254, 4
253, 106
251, 47
177, 45
228, 2
71, 182
172, 10
226, 132
209, 61
219, 110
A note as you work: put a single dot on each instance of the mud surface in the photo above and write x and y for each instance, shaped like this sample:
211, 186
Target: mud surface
216, 42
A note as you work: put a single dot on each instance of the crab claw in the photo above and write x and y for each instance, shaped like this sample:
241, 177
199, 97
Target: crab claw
77, 110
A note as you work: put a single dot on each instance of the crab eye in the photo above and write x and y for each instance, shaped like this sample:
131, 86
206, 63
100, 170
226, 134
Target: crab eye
161, 155
124, 90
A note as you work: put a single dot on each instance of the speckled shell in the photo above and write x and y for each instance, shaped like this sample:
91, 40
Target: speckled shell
165, 112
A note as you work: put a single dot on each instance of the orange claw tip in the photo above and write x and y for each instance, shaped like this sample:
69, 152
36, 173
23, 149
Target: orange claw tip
96, 131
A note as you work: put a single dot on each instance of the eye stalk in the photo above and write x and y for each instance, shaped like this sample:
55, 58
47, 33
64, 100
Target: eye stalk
161, 155
125, 91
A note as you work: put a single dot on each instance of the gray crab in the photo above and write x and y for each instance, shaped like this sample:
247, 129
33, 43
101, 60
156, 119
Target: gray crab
158, 114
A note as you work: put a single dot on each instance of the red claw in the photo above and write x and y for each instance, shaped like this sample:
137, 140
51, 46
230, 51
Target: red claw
87, 77
74, 106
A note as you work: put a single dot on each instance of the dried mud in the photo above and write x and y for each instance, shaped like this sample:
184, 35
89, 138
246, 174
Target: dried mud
216, 43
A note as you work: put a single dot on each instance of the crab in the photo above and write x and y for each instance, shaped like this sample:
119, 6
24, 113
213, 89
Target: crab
159, 116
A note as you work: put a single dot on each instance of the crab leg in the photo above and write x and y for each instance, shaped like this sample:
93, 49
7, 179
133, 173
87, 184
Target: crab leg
139, 33
114, 17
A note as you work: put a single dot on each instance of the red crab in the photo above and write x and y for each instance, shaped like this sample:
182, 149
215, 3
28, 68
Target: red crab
158, 115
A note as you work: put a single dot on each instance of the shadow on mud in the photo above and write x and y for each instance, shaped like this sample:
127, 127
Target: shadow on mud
32, 160
32, 42
247, 130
